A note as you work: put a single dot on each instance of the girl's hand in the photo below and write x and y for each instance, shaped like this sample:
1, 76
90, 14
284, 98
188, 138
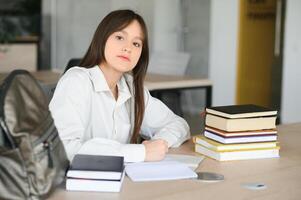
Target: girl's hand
155, 150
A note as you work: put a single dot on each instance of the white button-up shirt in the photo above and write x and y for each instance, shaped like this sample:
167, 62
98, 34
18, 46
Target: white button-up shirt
90, 121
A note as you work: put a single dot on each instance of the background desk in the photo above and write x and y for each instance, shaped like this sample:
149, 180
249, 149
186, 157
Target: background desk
44, 77
156, 83
281, 175
159, 84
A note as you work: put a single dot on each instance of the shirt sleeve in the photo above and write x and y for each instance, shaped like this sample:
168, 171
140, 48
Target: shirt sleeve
161, 123
103, 146
70, 108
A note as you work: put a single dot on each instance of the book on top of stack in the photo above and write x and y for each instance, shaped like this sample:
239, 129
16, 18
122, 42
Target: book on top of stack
95, 173
239, 132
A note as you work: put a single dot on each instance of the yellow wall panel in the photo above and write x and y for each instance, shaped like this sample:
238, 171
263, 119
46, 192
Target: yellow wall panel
255, 51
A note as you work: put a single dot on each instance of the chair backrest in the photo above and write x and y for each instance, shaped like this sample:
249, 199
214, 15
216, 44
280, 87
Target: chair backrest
72, 62
169, 63
49, 89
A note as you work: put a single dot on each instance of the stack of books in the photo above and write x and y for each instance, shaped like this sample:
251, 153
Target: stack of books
95, 173
239, 132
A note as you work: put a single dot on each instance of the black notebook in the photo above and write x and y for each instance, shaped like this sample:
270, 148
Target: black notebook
241, 111
96, 167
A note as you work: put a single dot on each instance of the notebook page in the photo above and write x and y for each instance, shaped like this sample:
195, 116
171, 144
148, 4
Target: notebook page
157, 171
189, 160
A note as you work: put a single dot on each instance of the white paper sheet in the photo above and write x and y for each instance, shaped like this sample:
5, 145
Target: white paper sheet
156, 171
191, 161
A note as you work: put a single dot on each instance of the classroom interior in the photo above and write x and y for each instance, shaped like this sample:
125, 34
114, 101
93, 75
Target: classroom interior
248, 49
202, 53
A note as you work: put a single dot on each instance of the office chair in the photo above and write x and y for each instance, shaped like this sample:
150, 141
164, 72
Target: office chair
72, 62
49, 89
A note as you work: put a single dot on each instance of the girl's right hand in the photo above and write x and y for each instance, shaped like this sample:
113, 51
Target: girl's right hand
155, 150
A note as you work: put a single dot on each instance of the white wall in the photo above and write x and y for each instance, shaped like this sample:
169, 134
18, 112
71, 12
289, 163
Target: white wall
73, 23
167, 26
291, 84
223, 50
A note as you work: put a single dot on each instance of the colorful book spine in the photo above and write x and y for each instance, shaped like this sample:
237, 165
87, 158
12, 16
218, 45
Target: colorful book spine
238, 133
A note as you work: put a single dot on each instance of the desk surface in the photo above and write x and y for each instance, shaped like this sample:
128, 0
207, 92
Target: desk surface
161, 82
45, 77
281, 175
152, 81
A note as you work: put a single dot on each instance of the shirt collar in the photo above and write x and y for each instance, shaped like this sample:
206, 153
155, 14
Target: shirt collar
123, 91
98, 79
100, 84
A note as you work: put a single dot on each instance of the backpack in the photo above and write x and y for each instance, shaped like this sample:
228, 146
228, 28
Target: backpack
32, 157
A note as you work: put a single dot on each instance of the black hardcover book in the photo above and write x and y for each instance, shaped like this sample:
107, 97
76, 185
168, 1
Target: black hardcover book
95, 173
241, 111
97, 163
96, 167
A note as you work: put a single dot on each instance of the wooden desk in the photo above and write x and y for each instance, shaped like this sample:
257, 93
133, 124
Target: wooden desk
281, 175
45, 77
156, 83
162, 82
152, 81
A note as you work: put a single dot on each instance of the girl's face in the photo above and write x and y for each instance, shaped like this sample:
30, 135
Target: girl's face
123, 48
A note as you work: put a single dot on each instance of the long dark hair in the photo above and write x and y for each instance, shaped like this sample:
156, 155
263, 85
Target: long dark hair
116, 21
